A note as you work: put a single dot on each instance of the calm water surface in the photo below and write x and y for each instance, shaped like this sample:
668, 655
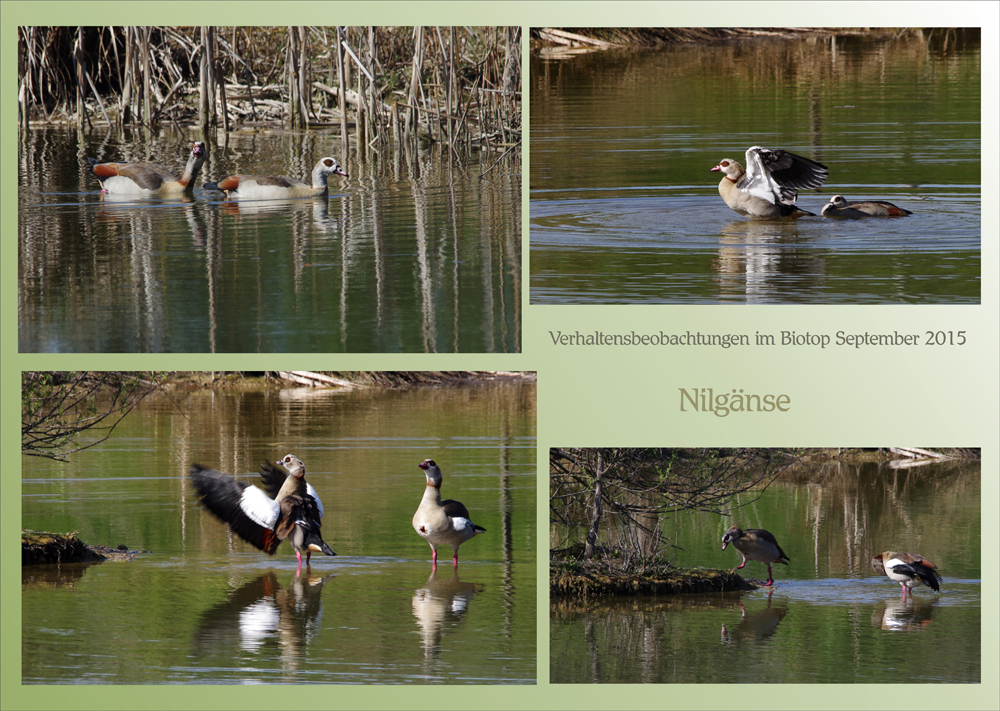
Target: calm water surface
624, 208
411, 253
829, 618
201, 606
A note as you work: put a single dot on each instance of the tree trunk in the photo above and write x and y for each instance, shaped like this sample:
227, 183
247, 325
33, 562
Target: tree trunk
595, 521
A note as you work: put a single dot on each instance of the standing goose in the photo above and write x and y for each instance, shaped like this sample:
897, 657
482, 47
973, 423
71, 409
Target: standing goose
755, 544
148, 178
442, 522
908, 570
287, 507
271, 187
770, 184
839, 207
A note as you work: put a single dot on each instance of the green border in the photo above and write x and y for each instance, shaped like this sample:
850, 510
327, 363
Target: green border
586, 397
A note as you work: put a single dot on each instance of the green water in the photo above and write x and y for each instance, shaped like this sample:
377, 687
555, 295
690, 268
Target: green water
624, 208
202, 606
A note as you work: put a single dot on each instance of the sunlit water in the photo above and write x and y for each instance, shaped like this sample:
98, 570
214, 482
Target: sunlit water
816, 631
200, 606
411, 253
624, 208
829, 618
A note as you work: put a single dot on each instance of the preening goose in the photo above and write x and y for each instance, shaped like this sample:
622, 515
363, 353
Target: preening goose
442, 523
148, 178
839, 207
770, 184
271, 187
909, 570
755, 544
287, 507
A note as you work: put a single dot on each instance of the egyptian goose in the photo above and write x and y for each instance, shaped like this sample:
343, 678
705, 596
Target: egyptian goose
755, 544
148, 178
839, 207
271, 187
770, 184
908, 570
442, 522
287, 507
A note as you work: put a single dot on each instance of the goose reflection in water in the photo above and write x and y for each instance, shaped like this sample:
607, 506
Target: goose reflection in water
442, 602
145, 220
911, 614
756, 626
299, 209
262, 617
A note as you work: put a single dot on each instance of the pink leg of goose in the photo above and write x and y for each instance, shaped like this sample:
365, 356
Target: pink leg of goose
770, 577
454, 560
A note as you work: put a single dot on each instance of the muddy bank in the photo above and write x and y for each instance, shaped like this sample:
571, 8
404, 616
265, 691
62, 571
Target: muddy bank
569, 579
40, 548
252, 380
656, 37
884, 454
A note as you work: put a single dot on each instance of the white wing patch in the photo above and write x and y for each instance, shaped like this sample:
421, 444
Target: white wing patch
312, 492
463, 527
259, 507
758, 182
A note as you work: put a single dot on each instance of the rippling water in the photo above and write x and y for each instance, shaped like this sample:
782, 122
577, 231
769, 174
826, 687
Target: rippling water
624, 208
410, 254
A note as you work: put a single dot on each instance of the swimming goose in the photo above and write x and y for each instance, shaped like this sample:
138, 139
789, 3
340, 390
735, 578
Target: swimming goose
148, 178
442, 522
839, 207
287, 507
755, 544
908, 570
270, 187
770, 184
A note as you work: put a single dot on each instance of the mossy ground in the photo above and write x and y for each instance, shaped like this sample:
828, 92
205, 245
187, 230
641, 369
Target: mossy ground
574, 578
42, 547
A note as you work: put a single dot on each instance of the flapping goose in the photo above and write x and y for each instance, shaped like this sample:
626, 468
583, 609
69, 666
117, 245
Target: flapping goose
770, 184
287, 507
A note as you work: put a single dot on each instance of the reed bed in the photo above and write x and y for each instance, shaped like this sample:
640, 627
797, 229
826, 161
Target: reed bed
458, 86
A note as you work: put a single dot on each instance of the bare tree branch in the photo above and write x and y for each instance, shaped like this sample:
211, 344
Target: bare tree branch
57, 407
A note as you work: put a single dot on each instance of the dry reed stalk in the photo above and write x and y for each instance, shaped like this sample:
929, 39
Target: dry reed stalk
341, 98
462, 92
147, 79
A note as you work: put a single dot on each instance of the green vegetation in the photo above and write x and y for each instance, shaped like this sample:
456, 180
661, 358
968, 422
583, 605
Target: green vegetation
609, 508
